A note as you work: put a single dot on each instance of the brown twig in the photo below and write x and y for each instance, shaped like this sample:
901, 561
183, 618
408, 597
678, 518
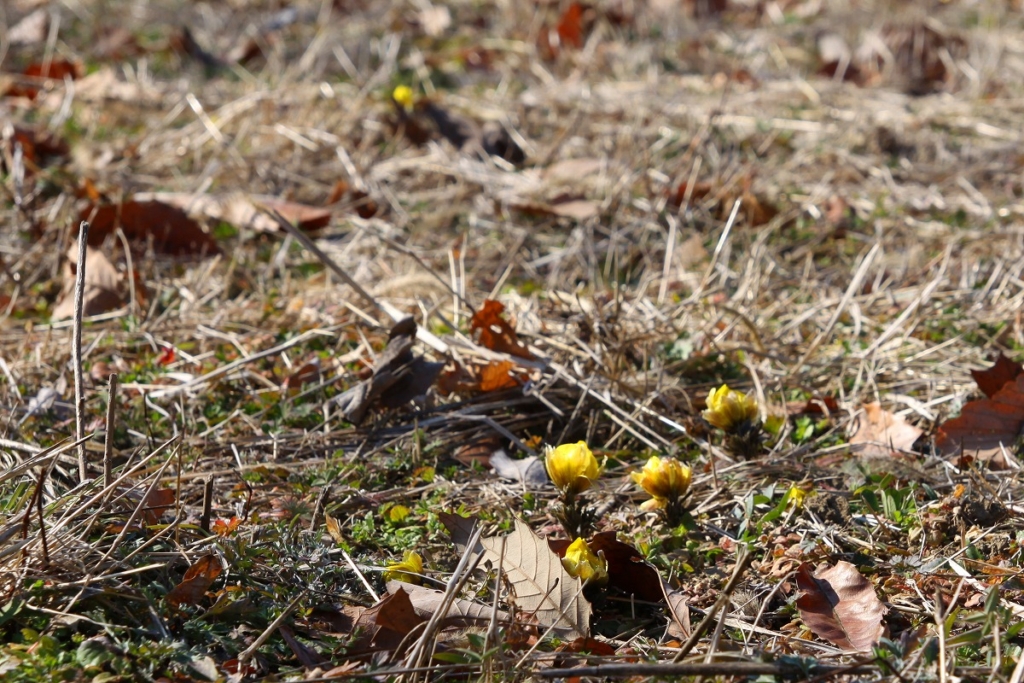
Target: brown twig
76, 347
742, 562
108, 442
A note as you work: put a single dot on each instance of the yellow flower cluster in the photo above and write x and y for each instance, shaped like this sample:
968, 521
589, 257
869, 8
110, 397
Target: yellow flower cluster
572, 467
729, 409
581, 562
665, 479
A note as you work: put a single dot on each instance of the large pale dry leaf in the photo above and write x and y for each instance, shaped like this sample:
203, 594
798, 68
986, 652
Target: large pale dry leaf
678, 612
840, 606
243, 211
528, 471
101, 285
987, 426
542, 586
880, 433
462, 613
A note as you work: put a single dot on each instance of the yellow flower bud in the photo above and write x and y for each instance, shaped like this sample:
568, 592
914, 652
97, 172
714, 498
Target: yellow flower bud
583, 564
406, 570
729, 409
404, 96
572, 467
665, 479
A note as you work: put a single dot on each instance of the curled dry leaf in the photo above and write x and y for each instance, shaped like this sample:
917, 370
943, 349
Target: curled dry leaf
840, 606
880, 433
496, 376
996, 377
461, 613
101, 285
495, 332
388, 622
197, 580
528, 471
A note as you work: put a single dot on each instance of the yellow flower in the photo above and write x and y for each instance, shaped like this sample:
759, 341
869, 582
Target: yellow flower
406, 570
797, 495
572, 467
404, 96
666, 479
396, 514
583, 564
729, 409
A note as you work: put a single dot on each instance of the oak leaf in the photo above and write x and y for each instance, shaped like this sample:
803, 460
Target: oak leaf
987, 427
990, 381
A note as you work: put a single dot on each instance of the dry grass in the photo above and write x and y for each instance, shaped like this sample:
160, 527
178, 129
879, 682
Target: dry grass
875, 254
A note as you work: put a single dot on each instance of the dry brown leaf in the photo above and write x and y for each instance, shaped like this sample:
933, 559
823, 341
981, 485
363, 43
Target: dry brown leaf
57, 69
627, 569
389, 621
334, 529
460, 530
880, 433
573, 170
495, 332
840, 606
678, 613
986, 427
996, 377
462, 613
197, 580
101, 285
496, 376
541, 585
243, 211
169, 228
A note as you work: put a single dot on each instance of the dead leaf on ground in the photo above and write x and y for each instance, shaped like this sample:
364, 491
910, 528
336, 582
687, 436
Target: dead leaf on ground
399, 376
529, 471
243, 211
308, 658
1004, 370
986, 427
573, 170
461, 614
31, 29
102, 282
496, 376
460, 531
496, 333
840, 606
541, 585
36, 145
57, 70
678, 613
169, 228
879, 433
197, 580
388, 622
627, 569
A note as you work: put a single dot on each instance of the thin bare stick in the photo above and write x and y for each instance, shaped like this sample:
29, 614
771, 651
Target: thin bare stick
42, 523
204, 520
742, 562
108, 442
76, 348
247, 654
